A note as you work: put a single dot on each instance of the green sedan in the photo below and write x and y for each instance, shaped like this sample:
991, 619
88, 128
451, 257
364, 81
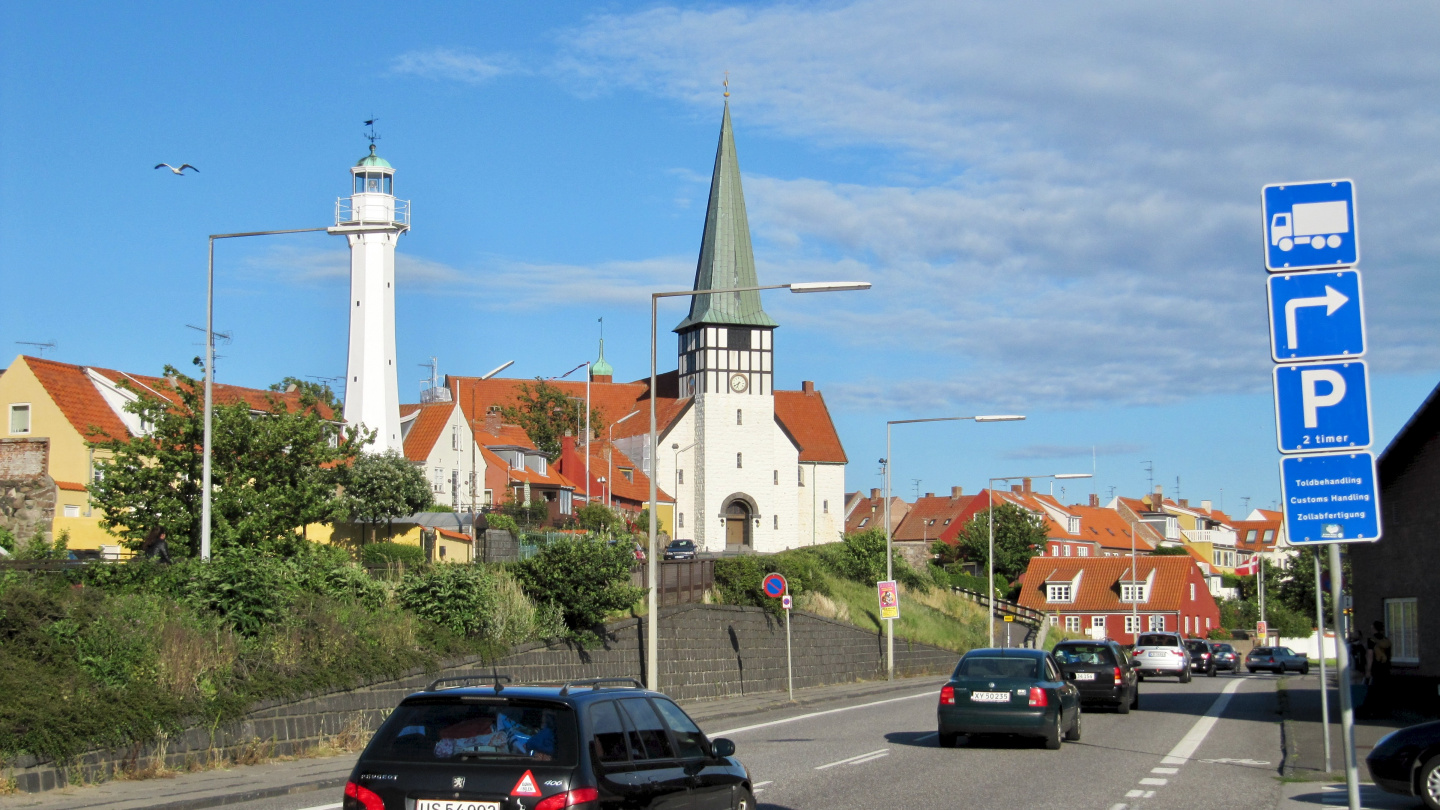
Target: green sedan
1009, 691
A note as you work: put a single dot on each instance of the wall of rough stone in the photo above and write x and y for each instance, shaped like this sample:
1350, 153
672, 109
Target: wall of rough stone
707, 652
27, 493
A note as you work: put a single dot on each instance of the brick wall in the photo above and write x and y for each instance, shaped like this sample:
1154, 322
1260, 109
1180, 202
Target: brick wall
707, 652
27, 493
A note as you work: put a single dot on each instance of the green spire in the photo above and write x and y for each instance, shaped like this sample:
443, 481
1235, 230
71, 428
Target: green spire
600, 368
726, 259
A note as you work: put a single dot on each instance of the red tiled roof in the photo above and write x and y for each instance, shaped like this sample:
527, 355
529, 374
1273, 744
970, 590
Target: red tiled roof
509, 436
1106, 527
804, 416
933, 518
257, 399
72, 486
871, 512
452, 535
406, 410
1100, 585
76, 396
1243, 528
426, 429
636, 490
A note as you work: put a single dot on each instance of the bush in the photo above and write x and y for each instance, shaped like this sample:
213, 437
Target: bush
586, 577
597, 517
1220, 634
957, 576
7, 539
738, 579
378, 554
456, 597
245, 587
501, 522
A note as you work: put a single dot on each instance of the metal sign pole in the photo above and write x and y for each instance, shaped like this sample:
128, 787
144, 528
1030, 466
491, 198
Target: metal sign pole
1324, 682
789, 666
1342, 672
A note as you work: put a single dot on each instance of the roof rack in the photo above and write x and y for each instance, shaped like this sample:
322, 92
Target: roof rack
494, 678
596, 683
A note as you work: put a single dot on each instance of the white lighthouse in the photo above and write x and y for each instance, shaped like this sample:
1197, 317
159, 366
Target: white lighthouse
371, 219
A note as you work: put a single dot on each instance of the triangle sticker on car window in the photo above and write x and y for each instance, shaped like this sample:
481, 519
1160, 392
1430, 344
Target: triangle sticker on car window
526, 786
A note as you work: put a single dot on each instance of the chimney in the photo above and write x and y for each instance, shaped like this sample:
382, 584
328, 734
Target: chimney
808, 388
875, 494
567, 447
929, 494
955, 493
1094, 500
1207, 506
1185, 502
1015, 488
492, 421
1027, 486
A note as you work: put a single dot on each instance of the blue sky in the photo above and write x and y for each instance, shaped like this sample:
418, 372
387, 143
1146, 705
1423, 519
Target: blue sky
1058, 204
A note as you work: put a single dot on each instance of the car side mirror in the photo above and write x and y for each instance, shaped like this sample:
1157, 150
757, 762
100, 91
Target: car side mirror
722, 748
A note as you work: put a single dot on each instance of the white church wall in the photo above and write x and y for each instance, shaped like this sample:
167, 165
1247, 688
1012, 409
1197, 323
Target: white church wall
681, 433
821, 503
720, 474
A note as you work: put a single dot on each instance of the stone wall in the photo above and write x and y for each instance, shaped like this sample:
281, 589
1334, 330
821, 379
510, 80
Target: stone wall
707, 652
27, 493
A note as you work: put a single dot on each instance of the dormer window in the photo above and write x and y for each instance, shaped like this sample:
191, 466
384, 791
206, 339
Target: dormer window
1134, 592
1074, 526
1059, 592
629, 473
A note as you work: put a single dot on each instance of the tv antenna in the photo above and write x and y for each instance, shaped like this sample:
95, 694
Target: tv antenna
1150, 469
917, 487
372, 136
1111, 496
39, 347
1245, 503
326, 381
224, 336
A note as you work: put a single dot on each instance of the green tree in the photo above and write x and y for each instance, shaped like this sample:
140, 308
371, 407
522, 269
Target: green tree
547, 414
384, 486
273, 472
321, 392
1019, 535
597, 517
586, 577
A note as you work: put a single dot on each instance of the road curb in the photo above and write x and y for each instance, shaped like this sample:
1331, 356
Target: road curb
220, 800
1287, 730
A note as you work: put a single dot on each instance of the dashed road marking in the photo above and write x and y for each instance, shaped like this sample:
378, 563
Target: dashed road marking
1165, 770
324, 806
1150, 780
856, 760
1188, 744
1118, 806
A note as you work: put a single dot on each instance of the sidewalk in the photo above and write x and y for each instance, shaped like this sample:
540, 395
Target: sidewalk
325, 776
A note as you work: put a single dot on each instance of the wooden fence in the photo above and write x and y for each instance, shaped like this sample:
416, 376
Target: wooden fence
680, 582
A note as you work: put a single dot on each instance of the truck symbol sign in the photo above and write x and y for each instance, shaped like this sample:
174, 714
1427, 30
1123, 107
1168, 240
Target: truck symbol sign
1310, 225
1316, 225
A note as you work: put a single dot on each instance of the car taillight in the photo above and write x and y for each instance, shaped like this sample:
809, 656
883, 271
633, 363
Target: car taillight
359, 797
1038, 697
947, 696
569, 798
1118, 677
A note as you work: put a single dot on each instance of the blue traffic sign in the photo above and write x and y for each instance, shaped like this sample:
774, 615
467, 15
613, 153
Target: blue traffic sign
1322, 407
774, 586
1310, 225
1330, 498
1316, 316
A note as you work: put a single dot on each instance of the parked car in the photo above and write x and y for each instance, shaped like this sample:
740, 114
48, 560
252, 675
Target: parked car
680, 550
1277, 660
1102, 671
1202, 656
1161, 653
1408, 762
1009, 691
605, 742
1226, 658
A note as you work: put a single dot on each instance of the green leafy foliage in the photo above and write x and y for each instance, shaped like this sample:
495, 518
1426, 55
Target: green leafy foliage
502, 522
547, 414
1243, 614
378, 554
738, 579
274, 472
7, 539
1170, 551
585, 576
525, 514
380, 487
320, 392
246, 588
39, 548
1019, 535
597, 517
456, 597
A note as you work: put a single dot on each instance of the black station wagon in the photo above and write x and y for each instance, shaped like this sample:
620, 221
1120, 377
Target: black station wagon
589, 744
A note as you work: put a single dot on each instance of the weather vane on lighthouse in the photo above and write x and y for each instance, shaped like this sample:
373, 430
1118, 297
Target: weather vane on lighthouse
371, 136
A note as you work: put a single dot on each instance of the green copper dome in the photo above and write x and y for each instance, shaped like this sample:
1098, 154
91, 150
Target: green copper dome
373, 159
600, 368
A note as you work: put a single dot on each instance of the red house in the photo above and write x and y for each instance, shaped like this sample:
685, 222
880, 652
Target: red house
1103, 597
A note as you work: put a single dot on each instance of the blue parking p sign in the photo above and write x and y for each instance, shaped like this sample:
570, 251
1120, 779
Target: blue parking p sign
1322, 407
1330, 498
1310, 225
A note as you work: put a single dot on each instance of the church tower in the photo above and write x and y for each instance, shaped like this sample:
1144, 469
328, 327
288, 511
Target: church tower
371, 220
725, 365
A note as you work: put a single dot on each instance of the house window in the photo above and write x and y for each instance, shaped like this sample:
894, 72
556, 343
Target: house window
1134, 592
439, 479
680, 520
825, 507
863, 521
679, 476
1157, 621
1082, 551
740, 462
739, 417
1192, 592
1072, 624
1132, 624
489, 497
19, 419
628, 473
1058, 592
1054, 620
1074, 525
1187, 625
455, 438
801, 475
777, 521
72, 510
1097, 622
1402, 624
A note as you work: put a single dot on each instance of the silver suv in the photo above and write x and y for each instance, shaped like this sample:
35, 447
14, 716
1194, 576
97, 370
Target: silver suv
1159, 653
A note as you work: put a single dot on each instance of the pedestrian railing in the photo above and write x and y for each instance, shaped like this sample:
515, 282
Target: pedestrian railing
1004, 607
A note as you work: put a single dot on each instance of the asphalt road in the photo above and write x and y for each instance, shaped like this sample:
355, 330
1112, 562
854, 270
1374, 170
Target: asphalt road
1212, 743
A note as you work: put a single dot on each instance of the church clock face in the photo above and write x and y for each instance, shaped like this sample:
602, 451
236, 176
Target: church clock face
738, 383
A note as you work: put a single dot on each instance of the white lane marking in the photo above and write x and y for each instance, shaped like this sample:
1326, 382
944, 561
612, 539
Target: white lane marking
763, 784
1229, 761
1150, 780
1165, 770
931, 693
324, 806
1134, 794
1118, 806
881, 752
869, 759
1183, 750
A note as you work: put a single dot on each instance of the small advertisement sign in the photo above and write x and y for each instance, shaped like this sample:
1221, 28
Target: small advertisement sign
889, 599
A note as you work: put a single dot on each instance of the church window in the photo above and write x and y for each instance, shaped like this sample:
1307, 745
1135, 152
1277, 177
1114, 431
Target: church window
455, 437
679, 476
739, 417
739, 461
777, 521
777, 478
801, 471
680, 520
825, 507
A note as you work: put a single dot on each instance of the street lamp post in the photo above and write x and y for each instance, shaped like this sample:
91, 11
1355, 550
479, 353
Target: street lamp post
652, 637
889, 542
205, 475
610, 460
990, 513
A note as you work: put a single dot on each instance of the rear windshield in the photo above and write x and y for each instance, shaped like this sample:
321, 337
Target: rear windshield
682, 544
1196, 646
995, 667
1224, 648
1084, 654
1261, 651
1156, 640
460, 731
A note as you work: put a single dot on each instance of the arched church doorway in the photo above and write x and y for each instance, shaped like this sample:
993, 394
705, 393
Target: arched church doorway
737, 526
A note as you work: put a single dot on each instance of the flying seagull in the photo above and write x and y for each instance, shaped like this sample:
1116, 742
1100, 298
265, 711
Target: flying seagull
179, 171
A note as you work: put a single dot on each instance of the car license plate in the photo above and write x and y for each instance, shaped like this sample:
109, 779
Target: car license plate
990, 697
1084, 676
452, 804
1158, 653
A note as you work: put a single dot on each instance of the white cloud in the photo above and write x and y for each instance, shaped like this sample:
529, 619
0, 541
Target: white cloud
1065, 196
1054, 451
450, 65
